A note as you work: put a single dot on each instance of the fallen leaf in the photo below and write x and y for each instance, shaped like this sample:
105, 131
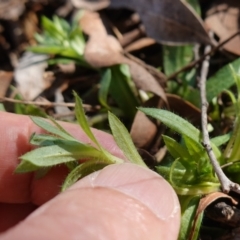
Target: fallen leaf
29, 75
11, 9
167, 22
164, 21
143, 130
5, 81
131, 36
92, 5
223, 18
206, 201
103, 50
139, 44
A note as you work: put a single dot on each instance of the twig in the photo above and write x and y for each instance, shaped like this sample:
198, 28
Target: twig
87, 107
226, 184
208, 53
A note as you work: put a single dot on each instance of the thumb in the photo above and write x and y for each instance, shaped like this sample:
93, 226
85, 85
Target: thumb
122, 201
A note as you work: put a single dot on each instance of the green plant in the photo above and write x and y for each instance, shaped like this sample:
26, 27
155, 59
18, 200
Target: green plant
188, 171
61, 148
65, 43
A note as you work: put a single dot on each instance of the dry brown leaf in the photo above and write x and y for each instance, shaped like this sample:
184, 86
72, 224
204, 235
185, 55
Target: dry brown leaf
167, 22
11, 9
206, 201
139, 44
29, 75
92, 5
164, 21
103, 50
223, 18
5, 81
144, 80
131, 36
143, 130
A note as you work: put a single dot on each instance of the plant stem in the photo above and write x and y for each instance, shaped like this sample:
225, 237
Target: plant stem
87, 107
226, 184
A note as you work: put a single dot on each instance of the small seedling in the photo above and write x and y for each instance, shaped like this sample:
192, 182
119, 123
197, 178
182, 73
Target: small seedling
60, 147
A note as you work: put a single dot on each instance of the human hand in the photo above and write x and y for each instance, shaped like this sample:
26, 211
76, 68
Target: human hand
122, 201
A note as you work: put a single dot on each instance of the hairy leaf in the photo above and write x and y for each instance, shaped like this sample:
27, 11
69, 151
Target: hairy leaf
104, 87
81, 171
124, 141
82, 120
59, 131
191, 204
220, 140
175, 149
174, 122
64, 151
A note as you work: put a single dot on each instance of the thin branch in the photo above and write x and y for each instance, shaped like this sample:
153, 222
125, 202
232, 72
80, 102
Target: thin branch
199, 60
87, 107
226, 184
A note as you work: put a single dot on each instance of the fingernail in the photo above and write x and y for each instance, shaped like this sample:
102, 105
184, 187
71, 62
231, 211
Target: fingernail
140, 183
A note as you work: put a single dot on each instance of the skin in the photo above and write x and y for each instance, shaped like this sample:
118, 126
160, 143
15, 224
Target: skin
122, 201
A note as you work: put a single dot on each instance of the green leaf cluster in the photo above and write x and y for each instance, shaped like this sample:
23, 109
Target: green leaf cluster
116, 82
191, 172
60, 147
61, 39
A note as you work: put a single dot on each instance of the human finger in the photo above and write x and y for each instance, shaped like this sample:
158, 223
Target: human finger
122, 201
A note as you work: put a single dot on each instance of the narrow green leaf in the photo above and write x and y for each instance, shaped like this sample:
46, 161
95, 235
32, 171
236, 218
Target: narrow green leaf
222, 80
124, 141
194, 148
26, 166
61, 128
43, 139
65, 151
122, 92
61, 25
175, 149
51, 28
82, 120
174, 122
220, 140
2, 108
195, 5
196, 228
53, 49
104, 87
219, 82
78, 45
175, 57
188, 216
81, 171
41, 122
